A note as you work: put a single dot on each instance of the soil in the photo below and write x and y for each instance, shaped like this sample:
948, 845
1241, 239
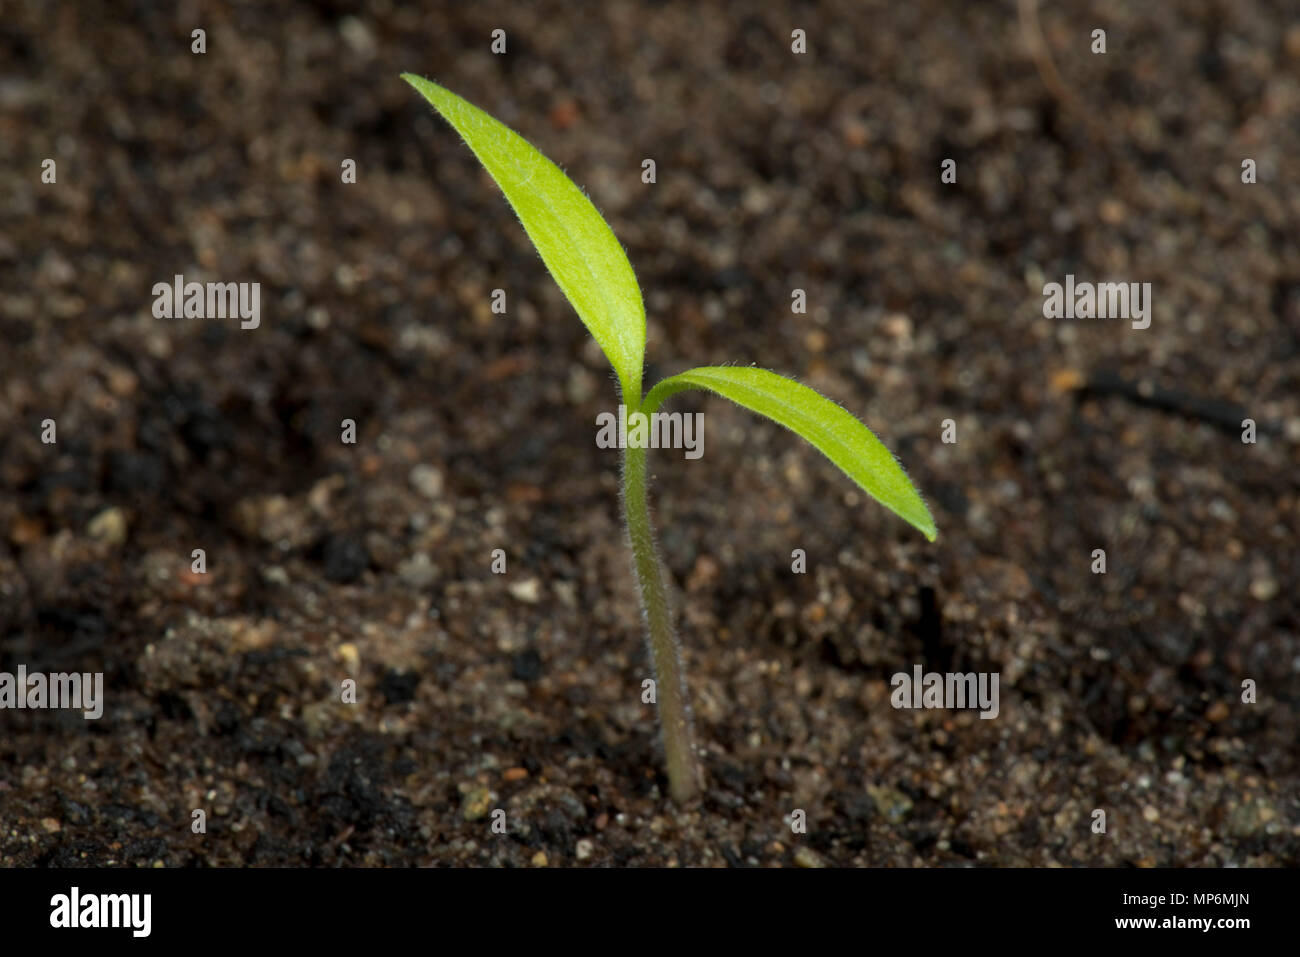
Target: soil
327, 561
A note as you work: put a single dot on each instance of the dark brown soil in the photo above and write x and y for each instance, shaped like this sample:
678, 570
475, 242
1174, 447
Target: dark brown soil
1120, 692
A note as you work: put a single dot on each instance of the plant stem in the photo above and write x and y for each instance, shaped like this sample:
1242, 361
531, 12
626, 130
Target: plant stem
665, 654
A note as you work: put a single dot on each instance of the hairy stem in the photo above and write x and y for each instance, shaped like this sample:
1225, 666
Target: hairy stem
665, 654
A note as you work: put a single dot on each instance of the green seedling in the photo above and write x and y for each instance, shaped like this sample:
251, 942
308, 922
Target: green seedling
591, 268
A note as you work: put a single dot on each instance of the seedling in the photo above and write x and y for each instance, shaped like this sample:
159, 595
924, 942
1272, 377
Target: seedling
588, 263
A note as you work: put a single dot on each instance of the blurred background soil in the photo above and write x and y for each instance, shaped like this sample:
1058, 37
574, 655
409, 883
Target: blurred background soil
775, 171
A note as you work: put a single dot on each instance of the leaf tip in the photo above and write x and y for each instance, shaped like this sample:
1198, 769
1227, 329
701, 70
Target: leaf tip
923, 521
421, 85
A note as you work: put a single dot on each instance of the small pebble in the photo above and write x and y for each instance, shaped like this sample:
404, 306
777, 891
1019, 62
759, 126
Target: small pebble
806, 857
892, 805
418, 571
427, 480
108, 526
1263, 589
529, 591
358, 36
474, 803
25, 531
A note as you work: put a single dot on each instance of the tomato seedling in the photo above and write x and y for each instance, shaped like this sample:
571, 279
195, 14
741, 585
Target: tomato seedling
589, 264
